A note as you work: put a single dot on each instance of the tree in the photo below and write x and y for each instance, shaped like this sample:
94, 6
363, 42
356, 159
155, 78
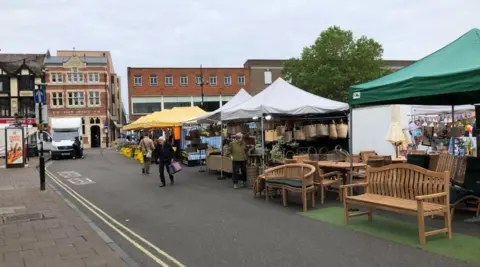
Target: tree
335, 62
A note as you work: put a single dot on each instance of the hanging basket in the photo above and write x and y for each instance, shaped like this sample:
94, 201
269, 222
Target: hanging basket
310, 131
342, 130
287, 136
332, 129
321, 130
280, 130
300, 134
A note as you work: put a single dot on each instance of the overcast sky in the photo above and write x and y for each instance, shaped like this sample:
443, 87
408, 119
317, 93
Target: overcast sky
219, 33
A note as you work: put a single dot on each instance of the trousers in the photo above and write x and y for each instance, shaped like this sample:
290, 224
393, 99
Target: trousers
239, 166
161, 169
146, 164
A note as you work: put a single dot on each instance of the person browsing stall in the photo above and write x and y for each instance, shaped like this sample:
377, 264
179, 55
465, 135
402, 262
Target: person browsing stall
238, 152
147, 147
164, 153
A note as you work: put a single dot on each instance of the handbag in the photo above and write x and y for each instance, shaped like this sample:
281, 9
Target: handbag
175, 167
149, 154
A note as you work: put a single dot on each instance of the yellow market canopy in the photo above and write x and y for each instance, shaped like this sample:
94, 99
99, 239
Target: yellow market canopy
172, 117
136, 124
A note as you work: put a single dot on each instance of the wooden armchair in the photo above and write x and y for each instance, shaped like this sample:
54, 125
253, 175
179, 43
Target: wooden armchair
295, 177
324, 180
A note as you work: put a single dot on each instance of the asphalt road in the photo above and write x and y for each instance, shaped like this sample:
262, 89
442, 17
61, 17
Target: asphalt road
204, 222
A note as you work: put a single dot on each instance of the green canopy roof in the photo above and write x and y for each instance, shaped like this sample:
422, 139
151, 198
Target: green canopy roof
450, 76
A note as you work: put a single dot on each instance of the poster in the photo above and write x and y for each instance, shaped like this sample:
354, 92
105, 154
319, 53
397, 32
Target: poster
14, 147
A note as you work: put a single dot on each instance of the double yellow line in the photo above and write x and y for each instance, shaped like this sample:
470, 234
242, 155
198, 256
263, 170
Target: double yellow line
115, 225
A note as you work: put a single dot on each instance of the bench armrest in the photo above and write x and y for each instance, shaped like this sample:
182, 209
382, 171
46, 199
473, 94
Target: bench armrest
330, 174
354, 185
443, 194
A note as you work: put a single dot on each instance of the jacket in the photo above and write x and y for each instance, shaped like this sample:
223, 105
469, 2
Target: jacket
164, 152
238, 150
146, 145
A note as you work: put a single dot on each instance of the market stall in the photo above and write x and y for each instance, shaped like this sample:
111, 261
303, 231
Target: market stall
289, 120
210, 136
449, 76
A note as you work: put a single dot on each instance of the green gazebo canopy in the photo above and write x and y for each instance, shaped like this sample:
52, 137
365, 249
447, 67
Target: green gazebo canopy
450, 76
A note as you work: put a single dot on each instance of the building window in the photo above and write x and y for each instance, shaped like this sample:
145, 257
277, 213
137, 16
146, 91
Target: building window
56, 77
146, 108
94, 77
75, 76
184, 80
4, 107
76, 99
198, 80
137, 80
93, 98
213, 80
267, 75
26, 107
227, 80
26, 82
169, 80
153, 80
57, 99
241, 79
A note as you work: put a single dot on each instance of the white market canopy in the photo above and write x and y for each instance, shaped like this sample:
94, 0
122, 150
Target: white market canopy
283, 98
215, 115
435, 110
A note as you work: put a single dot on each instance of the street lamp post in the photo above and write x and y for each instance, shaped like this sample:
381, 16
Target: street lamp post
106, 110
40, 123
201, 84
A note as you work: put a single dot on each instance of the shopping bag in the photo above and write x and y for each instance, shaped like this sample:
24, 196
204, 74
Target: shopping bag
175, 167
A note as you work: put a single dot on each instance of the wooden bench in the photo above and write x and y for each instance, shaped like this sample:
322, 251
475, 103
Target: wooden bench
406, 189
294, 177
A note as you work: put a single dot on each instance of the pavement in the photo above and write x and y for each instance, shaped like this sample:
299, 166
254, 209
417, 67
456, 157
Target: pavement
42, 229
201, 221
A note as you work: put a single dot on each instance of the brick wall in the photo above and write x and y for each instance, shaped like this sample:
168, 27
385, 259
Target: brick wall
191, 89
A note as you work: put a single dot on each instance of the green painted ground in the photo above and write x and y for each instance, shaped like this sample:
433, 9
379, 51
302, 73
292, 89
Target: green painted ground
461, 247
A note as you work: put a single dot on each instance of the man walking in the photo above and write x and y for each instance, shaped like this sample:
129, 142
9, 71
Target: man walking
237, 150
77, 147
164, 153
147, 147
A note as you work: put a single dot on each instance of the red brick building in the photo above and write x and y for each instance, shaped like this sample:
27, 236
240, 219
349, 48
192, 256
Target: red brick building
155, 89
78, 86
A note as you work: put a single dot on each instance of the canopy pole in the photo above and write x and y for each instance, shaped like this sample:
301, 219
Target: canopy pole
221, 151
453, 124
350, 146
263, 146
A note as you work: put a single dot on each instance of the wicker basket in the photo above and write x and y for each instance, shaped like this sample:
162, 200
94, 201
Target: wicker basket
322, 130
252, 175
287, 136
332, 130
342, 130
300, 134
280, 130
310, 131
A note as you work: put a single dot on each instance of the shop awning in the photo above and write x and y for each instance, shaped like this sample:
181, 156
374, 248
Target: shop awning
215, 116
450, 76
283, 98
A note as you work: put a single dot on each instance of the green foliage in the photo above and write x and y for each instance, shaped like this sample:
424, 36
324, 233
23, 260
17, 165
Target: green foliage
335, 62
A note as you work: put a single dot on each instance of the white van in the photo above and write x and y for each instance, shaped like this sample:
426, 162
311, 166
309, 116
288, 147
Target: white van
64, 131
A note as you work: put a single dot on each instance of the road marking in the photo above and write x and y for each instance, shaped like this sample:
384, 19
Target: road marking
80, 181
91, 207
69, 174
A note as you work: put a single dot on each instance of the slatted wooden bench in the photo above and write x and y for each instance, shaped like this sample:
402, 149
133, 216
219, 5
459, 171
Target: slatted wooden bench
406, 189
294, 177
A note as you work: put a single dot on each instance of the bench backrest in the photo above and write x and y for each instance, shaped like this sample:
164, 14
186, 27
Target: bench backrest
298, 171
406, 181
447, 162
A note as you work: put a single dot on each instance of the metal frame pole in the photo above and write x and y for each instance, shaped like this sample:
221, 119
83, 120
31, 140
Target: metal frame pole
350, 144
263, 145
453, 124
41, 159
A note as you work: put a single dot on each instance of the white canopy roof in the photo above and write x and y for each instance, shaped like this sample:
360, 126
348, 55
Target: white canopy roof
283, 98
215, 116
434, 110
